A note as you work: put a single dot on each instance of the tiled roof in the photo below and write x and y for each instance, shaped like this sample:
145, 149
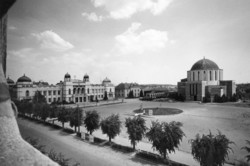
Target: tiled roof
205, 64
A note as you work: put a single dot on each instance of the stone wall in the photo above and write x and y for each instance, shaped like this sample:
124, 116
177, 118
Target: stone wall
14, 150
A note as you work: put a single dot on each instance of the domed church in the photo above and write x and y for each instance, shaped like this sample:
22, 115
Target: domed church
205, 79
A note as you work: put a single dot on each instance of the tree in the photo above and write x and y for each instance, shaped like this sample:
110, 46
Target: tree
26, 107
76, 118
63, 116
136, 129
141, 93
105, 96
37, 109
39, 98
111, 126
247, 148
210, 150
165, 137
53, 111
131, 94
44, 113
91, 121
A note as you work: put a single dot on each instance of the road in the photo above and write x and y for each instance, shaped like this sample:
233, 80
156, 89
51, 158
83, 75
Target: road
74, 148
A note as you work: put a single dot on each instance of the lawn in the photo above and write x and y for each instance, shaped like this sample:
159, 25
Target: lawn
159, 111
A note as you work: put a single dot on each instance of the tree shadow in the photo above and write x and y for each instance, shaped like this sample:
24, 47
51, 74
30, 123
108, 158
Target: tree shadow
143, 161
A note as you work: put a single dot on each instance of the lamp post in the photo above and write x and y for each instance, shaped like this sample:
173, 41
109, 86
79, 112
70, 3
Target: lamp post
78, 118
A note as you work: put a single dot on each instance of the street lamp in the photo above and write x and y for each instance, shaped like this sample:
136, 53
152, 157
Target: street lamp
78, 118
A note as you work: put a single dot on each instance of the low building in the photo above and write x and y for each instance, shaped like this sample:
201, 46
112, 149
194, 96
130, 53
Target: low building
153, 93
124, 89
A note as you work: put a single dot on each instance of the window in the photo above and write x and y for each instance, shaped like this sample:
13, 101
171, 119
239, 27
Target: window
69, 91
198, 75
59, 92
44, 93
204, 75
49, 99
78, 90
82, 90
210, 75
88, 90
193, 76
54, 92
215, 75
27, 93
49, 92
58, 99
54, 99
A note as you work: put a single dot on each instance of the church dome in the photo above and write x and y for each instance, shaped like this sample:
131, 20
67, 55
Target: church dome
106, 80
24, 79
67, 75
205, 64
86, 76
10, 81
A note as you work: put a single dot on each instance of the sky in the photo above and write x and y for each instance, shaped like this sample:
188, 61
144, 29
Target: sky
143, 41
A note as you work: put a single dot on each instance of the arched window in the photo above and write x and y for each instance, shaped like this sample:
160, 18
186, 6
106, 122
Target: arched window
27, 93
69, 91
193, 76
210, 75
88, 90
198, 76
204, 75
74, 90
78, 90
82, 90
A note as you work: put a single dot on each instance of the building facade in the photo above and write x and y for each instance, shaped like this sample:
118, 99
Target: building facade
69, 90
205, 79
123, 89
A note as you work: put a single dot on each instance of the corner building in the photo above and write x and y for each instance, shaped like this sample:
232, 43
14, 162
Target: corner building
205, 79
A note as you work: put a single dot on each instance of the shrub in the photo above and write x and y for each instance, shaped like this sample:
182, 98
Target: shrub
67, 130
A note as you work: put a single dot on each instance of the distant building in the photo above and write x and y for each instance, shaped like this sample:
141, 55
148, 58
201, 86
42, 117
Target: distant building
123, 89
153, 93
69, 90
205, 79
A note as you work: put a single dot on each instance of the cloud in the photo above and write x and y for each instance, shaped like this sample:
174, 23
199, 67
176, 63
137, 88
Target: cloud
22, 53
51, 40
12, 28
132, 41
120, 9
93, 17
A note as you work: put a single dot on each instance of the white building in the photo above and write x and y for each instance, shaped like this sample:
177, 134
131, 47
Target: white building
70, 90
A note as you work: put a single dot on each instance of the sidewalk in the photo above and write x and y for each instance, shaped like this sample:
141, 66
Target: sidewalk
178, 156
94, 104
